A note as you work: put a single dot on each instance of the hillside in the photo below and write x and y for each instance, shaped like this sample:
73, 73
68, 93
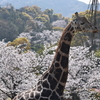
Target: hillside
66, 7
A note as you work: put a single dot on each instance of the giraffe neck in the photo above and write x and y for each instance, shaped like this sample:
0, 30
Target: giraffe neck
59, 67
53, 80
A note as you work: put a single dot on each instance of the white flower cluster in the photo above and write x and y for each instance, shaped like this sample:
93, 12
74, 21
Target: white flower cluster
46, 37
59, 23
16, 69
19, 72
84, 72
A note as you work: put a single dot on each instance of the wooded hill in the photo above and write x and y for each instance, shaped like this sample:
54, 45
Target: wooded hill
66, 7
15, 21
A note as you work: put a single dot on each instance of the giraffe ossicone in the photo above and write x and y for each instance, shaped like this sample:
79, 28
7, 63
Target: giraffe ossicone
52, 83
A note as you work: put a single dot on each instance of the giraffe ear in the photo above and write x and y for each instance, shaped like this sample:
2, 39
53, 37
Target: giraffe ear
76, 15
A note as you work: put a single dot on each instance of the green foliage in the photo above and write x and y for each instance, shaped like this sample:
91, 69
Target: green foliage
85, 14
20, 41
46, 17
20, 24
55, 17
52, 17
58, 28
97, 53
42, 19
37, 9
32, 11
39, 48
15, 21
51, 52
4, 14
8, 30
26, 16
31, 25
49, 12
95, 96
66, 19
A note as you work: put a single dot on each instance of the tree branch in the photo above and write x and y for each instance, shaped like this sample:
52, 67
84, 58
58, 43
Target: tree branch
5, 93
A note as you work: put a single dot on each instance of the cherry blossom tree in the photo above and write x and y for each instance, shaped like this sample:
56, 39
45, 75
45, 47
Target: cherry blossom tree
20, 71
16, 70
59, 23
84, 72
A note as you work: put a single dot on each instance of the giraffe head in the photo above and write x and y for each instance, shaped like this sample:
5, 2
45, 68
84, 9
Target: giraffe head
82, 24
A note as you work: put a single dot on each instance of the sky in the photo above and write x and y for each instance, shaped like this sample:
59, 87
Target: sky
87, 1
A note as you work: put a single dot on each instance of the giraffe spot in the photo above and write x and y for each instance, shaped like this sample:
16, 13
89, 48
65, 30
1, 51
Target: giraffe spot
52, 68
45, 76
64, 61
64, 77
39, 82
37, 95
45, 84
78, 27
52, 82
54, 96
65, 48
32, 95
26, 95
44, 98
58, 73
60, 89
22, 98
57, 65
39, 88
71, 29
19, 96
68, 37
46, 93
58, 56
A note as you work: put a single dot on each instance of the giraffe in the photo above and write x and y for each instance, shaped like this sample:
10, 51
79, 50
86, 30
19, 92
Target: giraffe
52, 83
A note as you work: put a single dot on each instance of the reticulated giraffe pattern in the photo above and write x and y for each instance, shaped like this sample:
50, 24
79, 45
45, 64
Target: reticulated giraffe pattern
52, 83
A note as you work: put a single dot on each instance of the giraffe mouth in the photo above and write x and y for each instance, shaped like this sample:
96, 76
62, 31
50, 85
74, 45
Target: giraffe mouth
95, 31
92, 31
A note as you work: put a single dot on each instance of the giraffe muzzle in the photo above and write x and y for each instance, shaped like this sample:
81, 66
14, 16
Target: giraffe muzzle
96, 30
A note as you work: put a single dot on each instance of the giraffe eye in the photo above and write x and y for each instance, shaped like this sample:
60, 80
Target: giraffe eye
82, 23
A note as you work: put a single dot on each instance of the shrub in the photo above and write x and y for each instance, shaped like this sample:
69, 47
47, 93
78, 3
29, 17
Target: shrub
97, 53
39, 48
58, 28
21, 43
